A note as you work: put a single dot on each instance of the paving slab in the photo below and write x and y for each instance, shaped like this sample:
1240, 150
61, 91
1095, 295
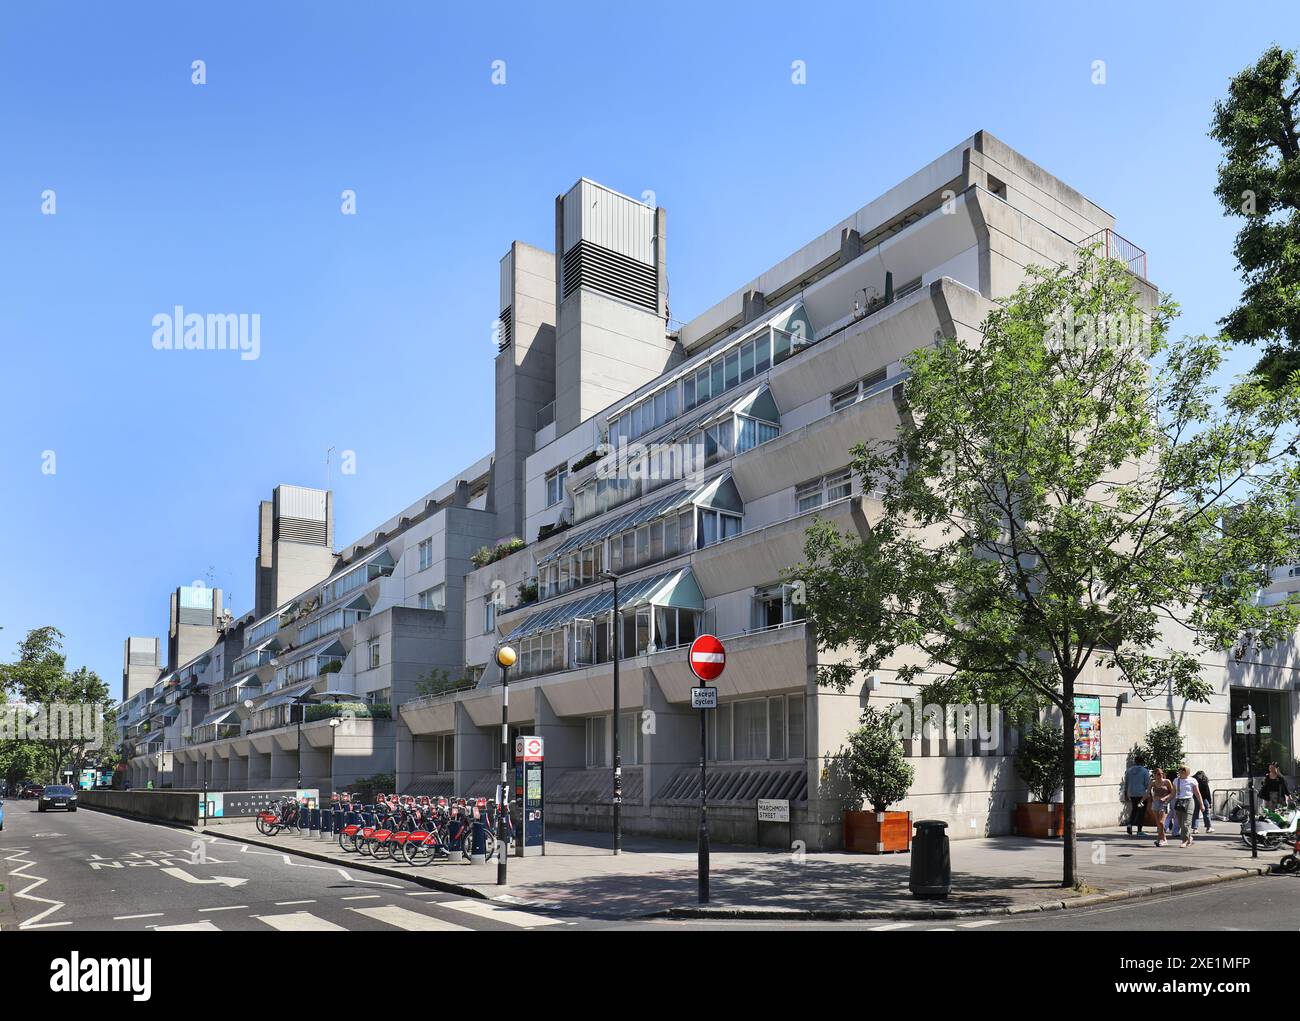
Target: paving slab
991, 875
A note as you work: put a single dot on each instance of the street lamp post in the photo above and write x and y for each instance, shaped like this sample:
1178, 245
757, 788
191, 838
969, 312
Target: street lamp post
618, 758
1248, 727
505, 659
301, 710
334, 733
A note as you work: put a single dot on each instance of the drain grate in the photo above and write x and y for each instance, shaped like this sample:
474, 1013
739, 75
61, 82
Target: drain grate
1168, 868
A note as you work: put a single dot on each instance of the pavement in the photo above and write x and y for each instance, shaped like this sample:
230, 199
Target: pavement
991, 876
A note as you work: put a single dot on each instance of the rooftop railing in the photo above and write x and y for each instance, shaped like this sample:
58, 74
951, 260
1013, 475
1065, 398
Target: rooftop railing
1115, 246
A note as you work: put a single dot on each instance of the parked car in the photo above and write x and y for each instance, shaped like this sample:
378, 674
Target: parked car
32, 791
58, 796
2, 815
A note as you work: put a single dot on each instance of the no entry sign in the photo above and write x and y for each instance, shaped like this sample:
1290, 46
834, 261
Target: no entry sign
708, 658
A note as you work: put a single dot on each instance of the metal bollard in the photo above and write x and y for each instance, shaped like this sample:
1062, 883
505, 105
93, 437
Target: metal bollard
479, 836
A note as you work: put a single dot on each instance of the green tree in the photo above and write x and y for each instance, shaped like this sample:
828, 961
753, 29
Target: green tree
40, 678
1258, 126
1055, 498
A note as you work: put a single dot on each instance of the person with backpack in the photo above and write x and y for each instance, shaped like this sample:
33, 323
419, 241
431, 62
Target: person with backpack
1203, 782
1137, 780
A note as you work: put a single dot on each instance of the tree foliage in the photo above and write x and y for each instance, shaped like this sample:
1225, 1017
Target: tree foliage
1069, 491
1258, 126
1163, 747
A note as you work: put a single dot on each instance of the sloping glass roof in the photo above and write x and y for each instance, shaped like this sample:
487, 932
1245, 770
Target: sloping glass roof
220, 716
657, 590
620, 523
286, 695
720, 494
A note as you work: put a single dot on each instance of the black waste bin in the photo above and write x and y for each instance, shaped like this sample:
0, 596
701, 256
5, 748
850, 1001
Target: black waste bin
931, 875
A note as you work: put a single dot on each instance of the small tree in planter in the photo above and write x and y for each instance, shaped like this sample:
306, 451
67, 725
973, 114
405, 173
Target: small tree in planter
879, 774
1163, 749
1040, 764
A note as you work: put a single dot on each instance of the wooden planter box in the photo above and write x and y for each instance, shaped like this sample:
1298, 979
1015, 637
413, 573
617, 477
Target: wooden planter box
877, 832
1039, 819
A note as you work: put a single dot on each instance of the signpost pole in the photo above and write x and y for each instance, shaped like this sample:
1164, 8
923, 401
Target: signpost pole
505, 659
1249, 727
704, 812
708, 658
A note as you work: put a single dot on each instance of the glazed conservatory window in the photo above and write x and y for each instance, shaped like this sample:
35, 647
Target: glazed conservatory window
753, 432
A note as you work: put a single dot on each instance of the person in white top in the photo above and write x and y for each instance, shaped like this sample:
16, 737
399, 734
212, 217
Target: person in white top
1187, 798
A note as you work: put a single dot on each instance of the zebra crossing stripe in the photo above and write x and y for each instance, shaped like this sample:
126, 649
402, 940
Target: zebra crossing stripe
496, 913
203, 926
411, 921
299, 921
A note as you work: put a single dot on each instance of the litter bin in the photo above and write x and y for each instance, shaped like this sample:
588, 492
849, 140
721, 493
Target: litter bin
931, 873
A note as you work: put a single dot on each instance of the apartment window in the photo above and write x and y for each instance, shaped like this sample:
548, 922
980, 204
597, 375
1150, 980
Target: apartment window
489, 614
1272, 741
716, 372
747, 361
372, 654
616, 554
752, 432
774, 606
716, 526
555, 484
997, 188
731, 370
426, 553
762, 352
688, 393
865, 387
434, 598
814, 494
595, 741
703, 390
758, 729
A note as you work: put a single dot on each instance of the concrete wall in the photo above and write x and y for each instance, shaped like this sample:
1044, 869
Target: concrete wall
162, 806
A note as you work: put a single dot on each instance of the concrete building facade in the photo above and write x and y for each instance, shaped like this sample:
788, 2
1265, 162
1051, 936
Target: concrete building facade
689, 460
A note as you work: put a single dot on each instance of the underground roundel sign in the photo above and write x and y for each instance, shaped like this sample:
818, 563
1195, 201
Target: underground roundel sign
708, 658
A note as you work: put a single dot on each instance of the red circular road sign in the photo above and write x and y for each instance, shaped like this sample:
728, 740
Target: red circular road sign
708, 658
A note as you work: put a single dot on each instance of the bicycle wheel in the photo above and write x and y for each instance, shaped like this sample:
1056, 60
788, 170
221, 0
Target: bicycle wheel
348, 842
1265, 842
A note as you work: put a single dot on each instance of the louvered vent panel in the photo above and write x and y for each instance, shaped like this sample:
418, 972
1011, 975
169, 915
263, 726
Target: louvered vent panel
589, 265
503, 339
300, 530
738, 785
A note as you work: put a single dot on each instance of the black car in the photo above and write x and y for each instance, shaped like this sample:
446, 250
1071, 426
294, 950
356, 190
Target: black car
31, 791
58, 796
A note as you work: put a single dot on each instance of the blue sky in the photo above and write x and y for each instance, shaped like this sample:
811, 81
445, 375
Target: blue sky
225, 197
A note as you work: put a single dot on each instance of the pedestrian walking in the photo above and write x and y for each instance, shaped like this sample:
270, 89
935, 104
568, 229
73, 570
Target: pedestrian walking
1187, 800
1160, 795
1203, 782
1137, 781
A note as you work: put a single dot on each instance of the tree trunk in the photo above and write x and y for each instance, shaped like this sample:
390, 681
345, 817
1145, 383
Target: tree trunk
1069, 869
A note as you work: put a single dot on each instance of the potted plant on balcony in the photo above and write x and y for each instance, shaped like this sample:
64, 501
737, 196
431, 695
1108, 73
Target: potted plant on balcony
879, 775
1039, 763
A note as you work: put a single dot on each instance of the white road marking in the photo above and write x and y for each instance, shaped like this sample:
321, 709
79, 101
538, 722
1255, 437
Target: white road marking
123, 918
891, 925
423, 893
203, 926
287, 903
232, 907
411, 921
363, 896
26, 894
299, 921
245, 849
979, 924
485, 909
230, 881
